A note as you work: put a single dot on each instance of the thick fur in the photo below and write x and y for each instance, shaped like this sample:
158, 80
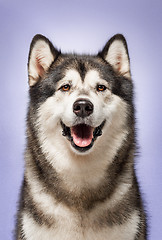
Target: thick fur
72, 193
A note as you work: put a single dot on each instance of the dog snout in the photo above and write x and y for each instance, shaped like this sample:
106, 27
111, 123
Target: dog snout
83, 108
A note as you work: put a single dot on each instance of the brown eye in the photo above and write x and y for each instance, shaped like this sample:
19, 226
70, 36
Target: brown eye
101, 88
65, 88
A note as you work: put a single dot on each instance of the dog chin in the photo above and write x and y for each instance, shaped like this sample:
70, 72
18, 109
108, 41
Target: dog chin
82, 136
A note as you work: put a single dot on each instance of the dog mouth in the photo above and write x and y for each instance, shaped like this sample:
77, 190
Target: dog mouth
82, 136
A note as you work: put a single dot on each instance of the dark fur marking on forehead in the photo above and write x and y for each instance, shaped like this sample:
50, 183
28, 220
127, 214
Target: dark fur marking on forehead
84, 63
82, 70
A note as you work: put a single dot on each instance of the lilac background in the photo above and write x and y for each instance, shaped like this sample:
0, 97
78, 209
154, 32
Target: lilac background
82, 26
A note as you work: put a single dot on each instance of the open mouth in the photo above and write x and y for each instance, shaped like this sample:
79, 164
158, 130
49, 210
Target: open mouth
82, 136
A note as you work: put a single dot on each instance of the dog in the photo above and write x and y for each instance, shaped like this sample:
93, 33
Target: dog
79, 180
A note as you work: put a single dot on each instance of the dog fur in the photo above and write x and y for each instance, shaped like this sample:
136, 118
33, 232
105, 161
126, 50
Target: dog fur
80, 187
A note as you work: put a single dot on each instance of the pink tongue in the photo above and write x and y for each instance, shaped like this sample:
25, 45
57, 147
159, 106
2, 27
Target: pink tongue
82, 137
80, 142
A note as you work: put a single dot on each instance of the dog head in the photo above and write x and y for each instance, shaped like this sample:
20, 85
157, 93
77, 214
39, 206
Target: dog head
76, 100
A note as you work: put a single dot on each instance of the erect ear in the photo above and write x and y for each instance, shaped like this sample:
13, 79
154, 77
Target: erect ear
116, 54
41, 55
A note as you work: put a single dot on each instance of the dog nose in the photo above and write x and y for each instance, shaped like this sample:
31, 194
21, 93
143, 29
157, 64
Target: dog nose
83, 108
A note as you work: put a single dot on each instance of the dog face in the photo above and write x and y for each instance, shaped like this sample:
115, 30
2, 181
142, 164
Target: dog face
77, 100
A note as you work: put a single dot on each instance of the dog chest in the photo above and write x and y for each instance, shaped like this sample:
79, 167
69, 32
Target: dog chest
69, 226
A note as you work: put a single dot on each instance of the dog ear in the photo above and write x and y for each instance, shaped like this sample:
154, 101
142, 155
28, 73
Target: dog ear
41, 55
116, 54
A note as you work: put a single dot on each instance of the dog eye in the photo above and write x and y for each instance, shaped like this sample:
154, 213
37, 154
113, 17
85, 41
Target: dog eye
101, 88
65, 88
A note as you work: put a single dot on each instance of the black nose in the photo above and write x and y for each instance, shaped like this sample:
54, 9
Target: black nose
83, 108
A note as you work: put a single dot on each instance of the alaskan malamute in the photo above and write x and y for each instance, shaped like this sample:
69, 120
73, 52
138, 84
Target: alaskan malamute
79, 181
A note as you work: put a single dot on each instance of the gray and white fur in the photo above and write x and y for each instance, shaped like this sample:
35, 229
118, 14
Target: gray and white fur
79, 181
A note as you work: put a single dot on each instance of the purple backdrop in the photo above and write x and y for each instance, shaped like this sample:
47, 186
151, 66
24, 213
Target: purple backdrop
82, 26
